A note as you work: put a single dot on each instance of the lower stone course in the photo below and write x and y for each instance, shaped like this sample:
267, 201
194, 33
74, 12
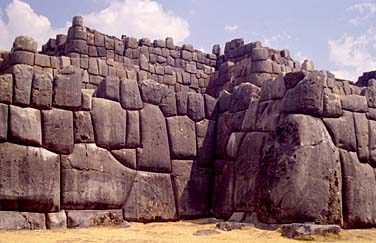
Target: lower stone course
10, 220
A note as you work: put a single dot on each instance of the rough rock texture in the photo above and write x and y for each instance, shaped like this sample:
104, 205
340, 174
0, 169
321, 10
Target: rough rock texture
30, 179
93, 179
56, 220
151, 198
21, 221
90, 218
23, 77
299, 230
182, 136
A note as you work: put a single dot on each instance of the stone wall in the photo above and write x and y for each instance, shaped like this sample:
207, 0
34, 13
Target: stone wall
150, 131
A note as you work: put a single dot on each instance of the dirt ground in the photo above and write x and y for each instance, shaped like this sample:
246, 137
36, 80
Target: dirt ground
182, 231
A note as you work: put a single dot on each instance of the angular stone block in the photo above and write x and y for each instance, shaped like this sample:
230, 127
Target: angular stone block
127, 157
30, 179
83, 127
211, 107
155, 152
182, 103
41, 92
93, 179
300, 177
58, 131
23, 77
22, 221
67, 90
268, 114
21, 57
250, 117
109, 121
6, 88
307, 96
233, 145
359, 194
332, 105
343, 131
25, 125
133, 129
242, 96
262, 67
168, 104
196, 108
56, 220
130, 97
260, 54
109, 88
355, 103
4, 111
182, 137
192, 186
151, 198
206, 136
273, 89
362, 136
86, 98
25, 43
42, 60
153, 92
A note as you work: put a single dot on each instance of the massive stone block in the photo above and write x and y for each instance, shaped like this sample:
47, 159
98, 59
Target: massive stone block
196, 109
109, 121
109, 88
153, 92
93, 179
151, 198
6, 88
67, 89
300, 178
133, 129
23, 77
41, 93
307, 96
242, 96
155, 152
130, 97
359, 194
58, 130
30, 179
362, 136
92, 218
268, 114
233, 145
182, 134
192, 188
25, 125
127, 157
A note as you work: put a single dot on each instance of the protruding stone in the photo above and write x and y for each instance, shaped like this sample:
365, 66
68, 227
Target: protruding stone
126, 157
109, 88
30, 179
109, 121
155, 153
153, 92
151, 198
25, 125
58, 130
86, 99
25, 43
355, 103
242, 96
260, 54
99, 183
182, 136
307, 65
78, 21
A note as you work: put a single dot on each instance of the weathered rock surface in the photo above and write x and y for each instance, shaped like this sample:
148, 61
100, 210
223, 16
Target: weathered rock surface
21, 221
83, 127
155, 152
298, 230
6, 88
56, 220
130, 97
4, 110
151, 198
67, 89
30, 179
93, 179
41, 93
182, 136
192, 185
23, 78
94, 218
109, 121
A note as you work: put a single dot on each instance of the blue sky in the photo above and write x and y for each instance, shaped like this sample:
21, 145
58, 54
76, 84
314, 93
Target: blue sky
338, 35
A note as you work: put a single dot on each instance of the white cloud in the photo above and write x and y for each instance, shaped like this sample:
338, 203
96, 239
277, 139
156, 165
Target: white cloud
231, 28
139, 18
22, 20
364, 11
353, 55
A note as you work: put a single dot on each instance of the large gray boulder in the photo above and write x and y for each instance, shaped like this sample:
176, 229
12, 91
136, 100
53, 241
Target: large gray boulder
109, 88
93, 179
155, 153
41, 92
196, 109
30, 179
58, 130
152, 92
192, 185
67, 88
300, 172
182, 137
25, 125
109, 121
359, 194
151, 198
